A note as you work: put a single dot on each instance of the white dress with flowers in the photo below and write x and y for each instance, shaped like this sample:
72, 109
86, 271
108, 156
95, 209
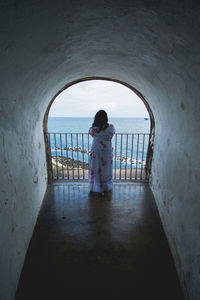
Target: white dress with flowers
101, 159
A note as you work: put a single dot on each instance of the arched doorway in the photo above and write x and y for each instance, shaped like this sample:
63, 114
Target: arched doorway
129, 139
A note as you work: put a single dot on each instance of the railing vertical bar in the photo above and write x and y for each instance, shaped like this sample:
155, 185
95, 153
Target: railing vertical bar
126, 155
77, 154
67, 157
61, 151
137, 156
132, 140
120, 157
56, 155
115, 156
88, 148
49, 144
72, 156
146, 155
142, 156
83, 156
49, 136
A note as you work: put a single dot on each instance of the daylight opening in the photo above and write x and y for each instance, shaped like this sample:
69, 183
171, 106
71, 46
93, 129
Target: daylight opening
71, 114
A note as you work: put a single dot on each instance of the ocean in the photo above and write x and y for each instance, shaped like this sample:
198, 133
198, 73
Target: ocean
81, 125
129, 151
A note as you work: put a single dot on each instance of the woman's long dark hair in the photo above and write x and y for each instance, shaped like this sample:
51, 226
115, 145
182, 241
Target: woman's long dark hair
101, 120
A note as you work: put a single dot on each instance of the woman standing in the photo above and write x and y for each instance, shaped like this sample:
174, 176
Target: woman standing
101, 162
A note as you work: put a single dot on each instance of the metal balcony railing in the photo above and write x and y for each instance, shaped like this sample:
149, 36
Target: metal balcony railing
70, 155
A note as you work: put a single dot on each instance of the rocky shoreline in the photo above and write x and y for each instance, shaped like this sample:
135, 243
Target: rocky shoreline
74, 149
69, 163
123, 158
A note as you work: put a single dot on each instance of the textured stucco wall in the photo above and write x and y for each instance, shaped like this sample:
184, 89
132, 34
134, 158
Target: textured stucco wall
152, 45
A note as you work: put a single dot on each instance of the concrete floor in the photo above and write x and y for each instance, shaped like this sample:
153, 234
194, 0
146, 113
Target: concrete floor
98, 247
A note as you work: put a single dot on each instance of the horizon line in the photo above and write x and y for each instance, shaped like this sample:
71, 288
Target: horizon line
93, 117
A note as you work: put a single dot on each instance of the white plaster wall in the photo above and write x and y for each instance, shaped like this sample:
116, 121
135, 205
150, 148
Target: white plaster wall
152, 45
23, 184
175, 182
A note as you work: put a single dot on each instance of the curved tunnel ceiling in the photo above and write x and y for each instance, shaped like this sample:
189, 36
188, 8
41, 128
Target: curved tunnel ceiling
132, 42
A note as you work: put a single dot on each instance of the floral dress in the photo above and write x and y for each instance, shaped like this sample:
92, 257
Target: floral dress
101, 159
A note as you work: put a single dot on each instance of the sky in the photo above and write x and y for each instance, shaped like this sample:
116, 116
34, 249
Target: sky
84, 99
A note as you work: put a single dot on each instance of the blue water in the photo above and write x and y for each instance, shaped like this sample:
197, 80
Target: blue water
81, 125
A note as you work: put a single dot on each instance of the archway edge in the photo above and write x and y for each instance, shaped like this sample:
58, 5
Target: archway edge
133, 89
138, 93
